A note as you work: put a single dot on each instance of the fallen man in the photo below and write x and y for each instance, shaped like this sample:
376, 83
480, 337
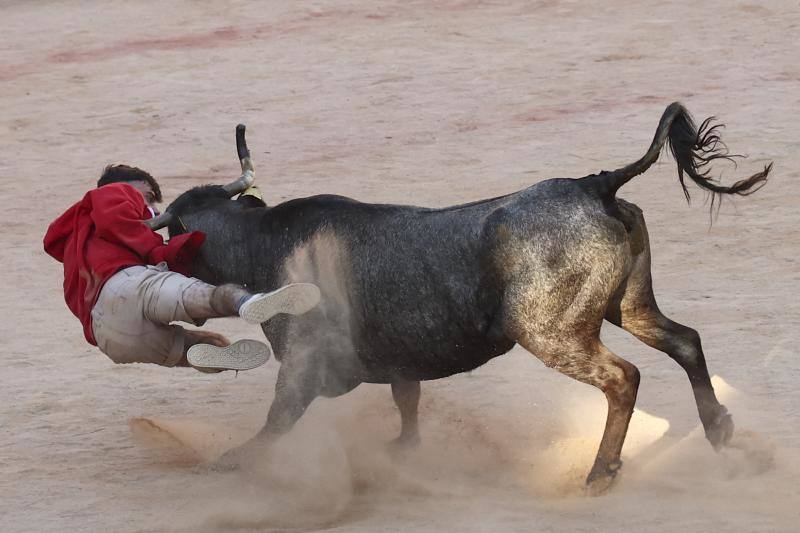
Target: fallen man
127, 286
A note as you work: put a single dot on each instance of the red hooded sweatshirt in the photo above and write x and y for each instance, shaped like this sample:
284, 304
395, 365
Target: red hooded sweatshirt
104, 233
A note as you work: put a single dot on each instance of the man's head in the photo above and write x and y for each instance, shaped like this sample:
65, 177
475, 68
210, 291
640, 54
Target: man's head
137, 178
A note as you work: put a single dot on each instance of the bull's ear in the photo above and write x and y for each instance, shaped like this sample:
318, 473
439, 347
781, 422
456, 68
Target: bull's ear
250, 201
251, 198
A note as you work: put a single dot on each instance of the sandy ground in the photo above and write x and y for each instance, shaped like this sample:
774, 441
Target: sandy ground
431, 103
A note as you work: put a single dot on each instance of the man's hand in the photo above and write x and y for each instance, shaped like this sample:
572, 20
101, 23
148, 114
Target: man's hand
198, 336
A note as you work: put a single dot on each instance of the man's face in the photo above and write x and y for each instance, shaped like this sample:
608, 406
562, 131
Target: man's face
147, 193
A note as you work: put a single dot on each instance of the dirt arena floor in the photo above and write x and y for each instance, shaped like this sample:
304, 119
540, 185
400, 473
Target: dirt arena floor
431, 103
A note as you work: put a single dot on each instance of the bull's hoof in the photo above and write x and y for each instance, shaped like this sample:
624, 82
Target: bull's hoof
403, 443
602, 477
242, 456
229, 461
720, 431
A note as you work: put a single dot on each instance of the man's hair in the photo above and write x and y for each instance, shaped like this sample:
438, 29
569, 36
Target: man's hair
118, 173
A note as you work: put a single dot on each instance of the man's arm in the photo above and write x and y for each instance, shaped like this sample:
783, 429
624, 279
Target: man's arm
118, 211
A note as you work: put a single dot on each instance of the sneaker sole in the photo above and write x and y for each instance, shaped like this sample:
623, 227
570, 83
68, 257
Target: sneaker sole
245, 354
293, 299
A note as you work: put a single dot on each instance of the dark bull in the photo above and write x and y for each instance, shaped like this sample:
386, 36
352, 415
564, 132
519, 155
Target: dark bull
412, 294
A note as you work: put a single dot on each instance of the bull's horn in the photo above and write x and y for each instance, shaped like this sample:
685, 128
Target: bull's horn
241, 143
232, 189
160, 221
248, 172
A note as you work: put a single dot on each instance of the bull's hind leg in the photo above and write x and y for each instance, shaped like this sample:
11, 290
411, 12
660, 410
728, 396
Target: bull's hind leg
636, 312
591, 362
406, 397
634, 309
554, 307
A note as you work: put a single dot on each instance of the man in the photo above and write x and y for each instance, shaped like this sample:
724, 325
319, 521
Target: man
127, 286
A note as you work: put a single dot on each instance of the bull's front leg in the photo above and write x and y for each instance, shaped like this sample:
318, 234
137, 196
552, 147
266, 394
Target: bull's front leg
406, 396
294, 392
295, 389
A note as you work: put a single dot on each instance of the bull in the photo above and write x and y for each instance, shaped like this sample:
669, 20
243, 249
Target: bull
412, 294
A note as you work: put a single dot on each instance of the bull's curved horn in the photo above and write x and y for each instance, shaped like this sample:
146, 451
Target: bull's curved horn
247, 178
244, 181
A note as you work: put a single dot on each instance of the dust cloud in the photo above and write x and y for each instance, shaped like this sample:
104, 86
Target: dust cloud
336, 468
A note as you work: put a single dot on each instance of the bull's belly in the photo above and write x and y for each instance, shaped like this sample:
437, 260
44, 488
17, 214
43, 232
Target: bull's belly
385, 352
388, 365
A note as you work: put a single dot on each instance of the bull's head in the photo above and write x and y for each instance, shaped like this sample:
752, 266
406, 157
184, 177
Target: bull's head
244, 181
230, 253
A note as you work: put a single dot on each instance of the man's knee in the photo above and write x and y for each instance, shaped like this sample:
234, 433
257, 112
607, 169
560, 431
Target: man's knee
160, 345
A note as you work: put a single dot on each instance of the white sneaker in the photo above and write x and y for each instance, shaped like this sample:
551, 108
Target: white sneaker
294, 299
241, 355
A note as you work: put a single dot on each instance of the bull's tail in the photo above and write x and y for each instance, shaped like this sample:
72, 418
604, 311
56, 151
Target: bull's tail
693, 149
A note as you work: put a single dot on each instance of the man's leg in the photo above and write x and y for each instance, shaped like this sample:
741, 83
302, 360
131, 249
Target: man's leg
133, 318
202, 301
131, 322
173, 297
